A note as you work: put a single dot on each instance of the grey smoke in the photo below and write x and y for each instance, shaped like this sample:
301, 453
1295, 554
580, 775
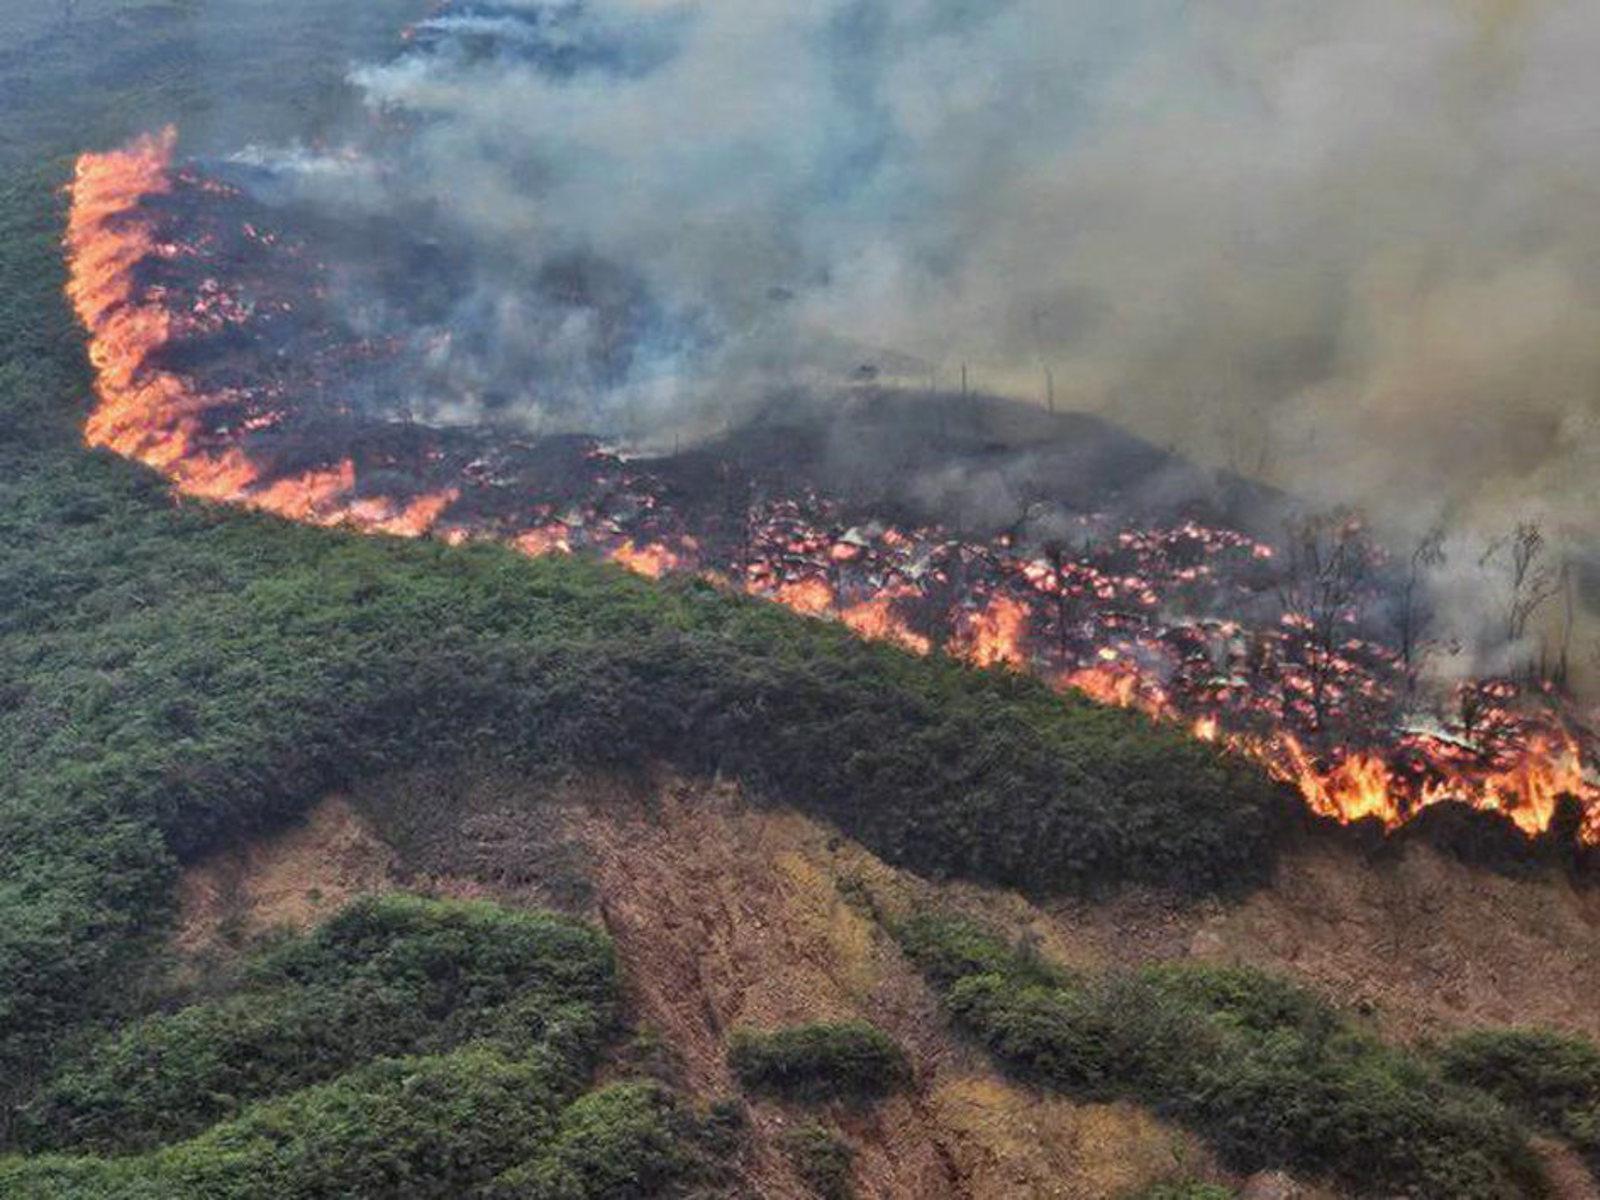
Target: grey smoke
1352, 249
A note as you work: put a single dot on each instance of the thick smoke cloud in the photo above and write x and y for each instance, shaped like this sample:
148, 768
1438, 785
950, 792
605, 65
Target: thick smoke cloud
1352, 248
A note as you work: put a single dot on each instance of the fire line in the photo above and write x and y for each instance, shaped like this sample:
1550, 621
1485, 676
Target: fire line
1091, 623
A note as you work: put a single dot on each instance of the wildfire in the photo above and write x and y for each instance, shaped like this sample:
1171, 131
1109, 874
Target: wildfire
875, 619
155, 415
812, 597
1126, 687
650, 561
994, 635
1365, 785
1104, 619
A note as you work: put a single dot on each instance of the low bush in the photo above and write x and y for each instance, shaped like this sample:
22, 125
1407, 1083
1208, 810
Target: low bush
296, 1086
846, 1060
822, 1159
624, 1142
1267, 1073
1551, 1079
438, 1126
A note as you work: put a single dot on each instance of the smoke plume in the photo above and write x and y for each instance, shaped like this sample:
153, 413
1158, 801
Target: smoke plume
1351, 249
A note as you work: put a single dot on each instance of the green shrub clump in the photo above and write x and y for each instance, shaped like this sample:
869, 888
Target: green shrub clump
1270, 1075
822, 1159
386, 976
844, 1060
439, 1126
623, 1142
1551, 1079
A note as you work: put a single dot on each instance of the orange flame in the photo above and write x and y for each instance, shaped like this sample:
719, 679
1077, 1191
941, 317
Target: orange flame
537, 542
875, 620
993, 636
812, 597
651, 561
1364, 786
152, 415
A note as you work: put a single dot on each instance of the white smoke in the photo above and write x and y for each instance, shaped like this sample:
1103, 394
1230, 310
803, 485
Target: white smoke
1352, 248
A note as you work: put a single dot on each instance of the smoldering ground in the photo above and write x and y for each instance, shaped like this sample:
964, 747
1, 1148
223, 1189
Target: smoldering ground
1351, 250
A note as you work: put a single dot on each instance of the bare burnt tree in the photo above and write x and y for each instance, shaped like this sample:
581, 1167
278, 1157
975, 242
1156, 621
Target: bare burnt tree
1556, 662
1065, 603
1325, 572
1416, 612
942, 582
1247, 442
1044, 526
1529, 580
1469, 708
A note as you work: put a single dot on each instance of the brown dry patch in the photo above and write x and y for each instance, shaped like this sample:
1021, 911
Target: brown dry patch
1019, 1143
727, 915
1423, 942
1569, 1178
291, 879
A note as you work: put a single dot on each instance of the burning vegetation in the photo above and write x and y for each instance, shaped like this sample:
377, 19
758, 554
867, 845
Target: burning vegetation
222, 363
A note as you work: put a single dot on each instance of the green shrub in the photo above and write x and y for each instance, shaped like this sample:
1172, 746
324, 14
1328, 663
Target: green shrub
294, 1077
1268, 1074
418, 1127
472, 1123
849, 1059
385, 976
624, 1142
822, 1159
947, 949
1552, 1079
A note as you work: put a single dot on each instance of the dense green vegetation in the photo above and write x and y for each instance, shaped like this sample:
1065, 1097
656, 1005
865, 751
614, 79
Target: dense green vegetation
475, 1122
1552, 1079
233, 71
823, 1061
500, 1016
1268, 1073
388, 976
624, 1141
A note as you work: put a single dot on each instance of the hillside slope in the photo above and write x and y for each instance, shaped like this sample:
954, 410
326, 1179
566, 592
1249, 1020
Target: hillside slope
729, 915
